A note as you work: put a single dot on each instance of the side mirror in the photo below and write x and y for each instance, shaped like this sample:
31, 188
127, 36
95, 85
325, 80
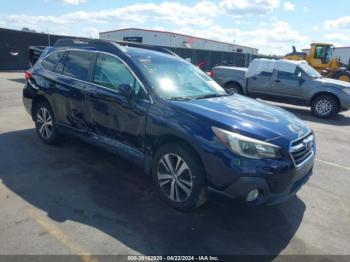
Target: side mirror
126, 90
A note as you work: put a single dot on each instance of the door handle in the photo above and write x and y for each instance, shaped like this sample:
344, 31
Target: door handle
277, 81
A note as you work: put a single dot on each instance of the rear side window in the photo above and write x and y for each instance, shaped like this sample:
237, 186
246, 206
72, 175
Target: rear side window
289, 76
268, 74
78, 64
50, 62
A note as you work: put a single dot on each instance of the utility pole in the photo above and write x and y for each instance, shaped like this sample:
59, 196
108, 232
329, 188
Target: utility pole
48, 37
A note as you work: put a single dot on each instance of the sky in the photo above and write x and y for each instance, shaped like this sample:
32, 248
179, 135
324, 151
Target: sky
272, 26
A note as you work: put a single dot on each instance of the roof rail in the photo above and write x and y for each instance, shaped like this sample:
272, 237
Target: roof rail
106, 44
85, 42
145, 46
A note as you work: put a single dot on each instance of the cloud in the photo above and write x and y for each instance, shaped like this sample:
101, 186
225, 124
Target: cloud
337, 37
288, 6
315, 28
339, 31
274, 38
339, 23
199, 19
200, 14
248, 7
74, 2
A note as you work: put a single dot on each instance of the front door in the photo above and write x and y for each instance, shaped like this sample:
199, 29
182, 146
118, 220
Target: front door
288, 85
113, 118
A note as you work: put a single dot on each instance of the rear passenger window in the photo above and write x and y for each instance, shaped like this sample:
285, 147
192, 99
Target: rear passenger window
110, 72
51, 60
60, 65
286, 75
78, 64
268, 74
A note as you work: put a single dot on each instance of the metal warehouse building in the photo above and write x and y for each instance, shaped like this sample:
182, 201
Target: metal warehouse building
174, 40
343, 53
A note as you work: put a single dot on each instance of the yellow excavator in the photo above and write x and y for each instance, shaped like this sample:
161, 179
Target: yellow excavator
321, 58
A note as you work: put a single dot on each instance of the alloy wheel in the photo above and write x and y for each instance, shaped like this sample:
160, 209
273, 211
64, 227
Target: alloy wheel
44, 121
233, 90
324, 107
174, 177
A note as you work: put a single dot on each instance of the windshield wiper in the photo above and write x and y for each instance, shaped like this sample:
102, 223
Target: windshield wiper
211, 95
179, 98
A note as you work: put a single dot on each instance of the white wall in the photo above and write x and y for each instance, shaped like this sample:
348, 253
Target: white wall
174, 40
343, 53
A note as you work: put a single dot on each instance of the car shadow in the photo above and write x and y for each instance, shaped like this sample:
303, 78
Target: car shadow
78, 182
18, 80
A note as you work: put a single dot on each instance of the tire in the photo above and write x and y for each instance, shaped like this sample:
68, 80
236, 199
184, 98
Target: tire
233, 88
45, 123
184, 190
324, 106
342, 76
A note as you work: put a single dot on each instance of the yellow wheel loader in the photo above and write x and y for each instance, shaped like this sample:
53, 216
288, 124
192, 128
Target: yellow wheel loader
321, 58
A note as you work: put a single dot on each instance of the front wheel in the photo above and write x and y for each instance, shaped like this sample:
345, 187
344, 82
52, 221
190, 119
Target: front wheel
325, 106
45, 123
179, 177
233, 88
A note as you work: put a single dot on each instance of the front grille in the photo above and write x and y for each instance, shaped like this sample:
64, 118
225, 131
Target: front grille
302, 149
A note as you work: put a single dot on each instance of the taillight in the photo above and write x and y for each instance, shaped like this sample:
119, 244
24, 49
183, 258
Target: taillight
27, 75
211, 74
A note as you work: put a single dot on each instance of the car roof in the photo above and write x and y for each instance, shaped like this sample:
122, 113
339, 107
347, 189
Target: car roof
110, 46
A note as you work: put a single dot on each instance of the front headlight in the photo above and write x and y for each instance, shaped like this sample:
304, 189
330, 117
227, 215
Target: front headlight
246, 146
346, 91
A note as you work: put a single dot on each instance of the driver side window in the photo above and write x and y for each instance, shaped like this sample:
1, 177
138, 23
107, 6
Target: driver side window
110, 72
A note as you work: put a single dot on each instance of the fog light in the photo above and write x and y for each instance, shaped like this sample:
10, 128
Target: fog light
252, 195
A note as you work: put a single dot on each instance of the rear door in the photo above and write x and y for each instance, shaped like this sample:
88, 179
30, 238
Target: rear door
44, 76
113, 118
73, 76
260, 85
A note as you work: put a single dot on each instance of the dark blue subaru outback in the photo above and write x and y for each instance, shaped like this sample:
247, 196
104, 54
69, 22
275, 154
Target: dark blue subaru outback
169, 117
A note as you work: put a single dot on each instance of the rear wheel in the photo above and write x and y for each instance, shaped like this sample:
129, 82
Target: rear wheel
45, 123
233, 88
179, 177
325, 106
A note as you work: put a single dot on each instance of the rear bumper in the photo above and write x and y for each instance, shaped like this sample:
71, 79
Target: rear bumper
243, 185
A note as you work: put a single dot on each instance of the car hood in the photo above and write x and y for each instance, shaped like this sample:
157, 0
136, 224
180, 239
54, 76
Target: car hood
247, 116
332, 82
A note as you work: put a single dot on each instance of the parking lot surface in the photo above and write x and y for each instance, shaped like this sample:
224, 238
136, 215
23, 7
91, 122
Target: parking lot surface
74, 198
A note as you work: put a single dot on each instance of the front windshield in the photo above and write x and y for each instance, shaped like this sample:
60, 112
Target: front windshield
310, 71
172, 78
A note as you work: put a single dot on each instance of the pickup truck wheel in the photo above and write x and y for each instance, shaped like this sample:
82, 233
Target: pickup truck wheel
179, 177
233, 88
325, 106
